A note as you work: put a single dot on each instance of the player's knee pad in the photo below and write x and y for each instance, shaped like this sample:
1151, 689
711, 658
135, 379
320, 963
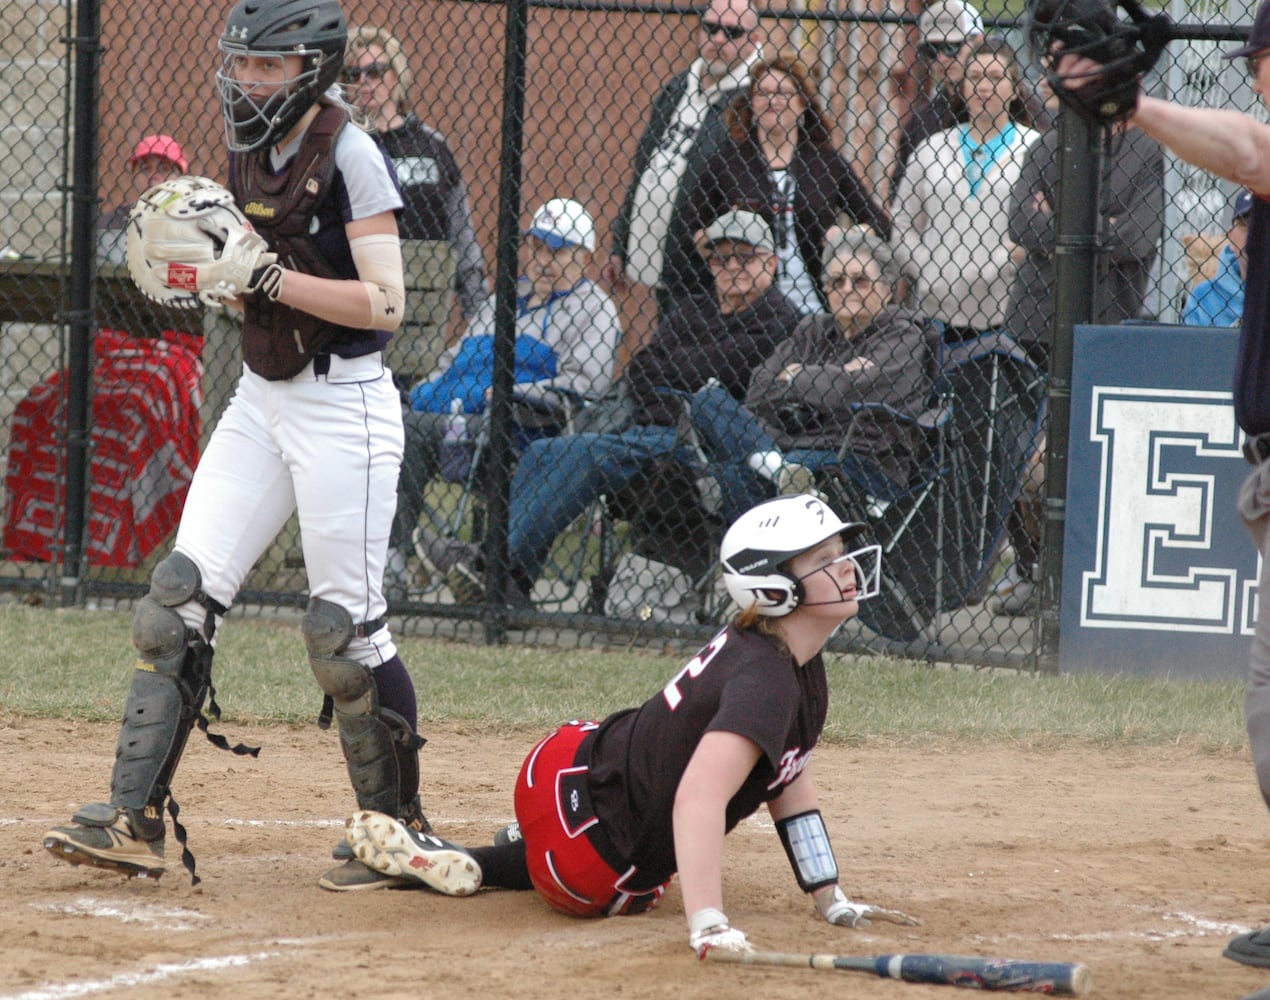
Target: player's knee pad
381, 751
326, 627
159, 632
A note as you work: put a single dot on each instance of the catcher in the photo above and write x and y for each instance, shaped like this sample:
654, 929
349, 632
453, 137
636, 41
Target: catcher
306, 246
1095, 62
609, 811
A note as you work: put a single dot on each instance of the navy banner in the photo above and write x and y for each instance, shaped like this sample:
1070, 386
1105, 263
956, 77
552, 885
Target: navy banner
1159, 576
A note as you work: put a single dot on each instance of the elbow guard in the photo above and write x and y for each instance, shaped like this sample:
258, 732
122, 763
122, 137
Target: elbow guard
378, 260
807, 846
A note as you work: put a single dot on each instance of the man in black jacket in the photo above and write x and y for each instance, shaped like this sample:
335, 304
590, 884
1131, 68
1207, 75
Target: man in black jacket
687, 109
704, 341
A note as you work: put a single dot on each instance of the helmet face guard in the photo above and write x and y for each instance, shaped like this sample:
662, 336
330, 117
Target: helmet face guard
258, 115
867, 562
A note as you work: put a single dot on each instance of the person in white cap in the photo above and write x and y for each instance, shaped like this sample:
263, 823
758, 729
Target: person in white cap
154, 159
685, 110
567, 330
946, 26
706, 341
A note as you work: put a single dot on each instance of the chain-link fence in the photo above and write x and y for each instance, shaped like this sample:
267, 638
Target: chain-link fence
699, 320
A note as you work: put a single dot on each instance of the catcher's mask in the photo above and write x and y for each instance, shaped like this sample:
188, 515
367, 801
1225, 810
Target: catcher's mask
757, 549
1125, 49
257, 115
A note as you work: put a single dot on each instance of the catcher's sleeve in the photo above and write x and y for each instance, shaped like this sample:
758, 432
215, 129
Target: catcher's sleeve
378, 260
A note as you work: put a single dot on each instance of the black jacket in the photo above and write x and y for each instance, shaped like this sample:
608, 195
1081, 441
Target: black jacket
697, 342
737, 174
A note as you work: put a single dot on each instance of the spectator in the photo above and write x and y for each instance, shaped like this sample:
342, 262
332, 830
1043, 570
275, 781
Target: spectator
155, 159
777, 159
1131, 219
947, 28
952, 212
378, 79
684, 112
864, 351
1219, 301
721, 337
567, 334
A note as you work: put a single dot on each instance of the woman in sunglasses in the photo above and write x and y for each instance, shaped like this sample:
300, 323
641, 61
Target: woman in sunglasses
777, 159
377, 79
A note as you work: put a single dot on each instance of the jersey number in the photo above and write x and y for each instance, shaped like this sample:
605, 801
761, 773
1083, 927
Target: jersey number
693, 668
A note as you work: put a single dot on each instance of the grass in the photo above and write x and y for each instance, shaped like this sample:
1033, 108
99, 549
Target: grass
75, 664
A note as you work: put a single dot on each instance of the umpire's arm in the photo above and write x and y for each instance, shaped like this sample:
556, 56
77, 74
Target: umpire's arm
1229, 144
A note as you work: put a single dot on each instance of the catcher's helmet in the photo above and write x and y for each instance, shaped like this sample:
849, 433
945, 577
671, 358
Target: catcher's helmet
314, 29
757, 548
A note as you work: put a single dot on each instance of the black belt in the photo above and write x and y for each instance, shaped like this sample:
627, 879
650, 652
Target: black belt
322, 364
1257, 449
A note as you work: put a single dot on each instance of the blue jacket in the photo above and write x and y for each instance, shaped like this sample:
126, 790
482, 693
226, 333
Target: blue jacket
1220, 300
473, 370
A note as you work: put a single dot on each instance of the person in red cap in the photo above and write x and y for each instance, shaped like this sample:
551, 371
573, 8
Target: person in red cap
154, 159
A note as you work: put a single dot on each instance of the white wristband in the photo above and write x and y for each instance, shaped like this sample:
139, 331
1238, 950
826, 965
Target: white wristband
705, 919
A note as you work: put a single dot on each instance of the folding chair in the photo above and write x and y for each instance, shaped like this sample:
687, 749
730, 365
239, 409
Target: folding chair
938, 533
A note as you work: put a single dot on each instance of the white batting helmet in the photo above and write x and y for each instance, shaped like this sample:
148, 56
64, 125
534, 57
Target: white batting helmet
760, 543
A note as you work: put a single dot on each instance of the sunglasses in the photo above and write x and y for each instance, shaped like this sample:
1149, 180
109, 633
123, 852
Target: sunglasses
929, 50
732, 32
374, 72
742, 257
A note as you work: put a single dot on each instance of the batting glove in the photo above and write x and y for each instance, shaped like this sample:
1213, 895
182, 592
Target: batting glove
838, 910
709, 928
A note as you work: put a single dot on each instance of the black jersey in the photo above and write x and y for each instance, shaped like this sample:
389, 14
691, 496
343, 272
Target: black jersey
742, 682
1252, 364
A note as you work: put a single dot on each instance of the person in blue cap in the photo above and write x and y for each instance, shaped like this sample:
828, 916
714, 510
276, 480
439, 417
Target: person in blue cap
1219, 301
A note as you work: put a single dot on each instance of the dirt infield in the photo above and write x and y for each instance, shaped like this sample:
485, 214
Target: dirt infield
1138, 862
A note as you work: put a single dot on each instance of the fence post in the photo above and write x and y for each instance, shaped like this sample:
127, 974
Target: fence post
1075, 268
507, 266
86, 42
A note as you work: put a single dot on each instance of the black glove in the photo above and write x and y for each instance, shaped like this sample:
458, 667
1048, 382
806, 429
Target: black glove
1091, 28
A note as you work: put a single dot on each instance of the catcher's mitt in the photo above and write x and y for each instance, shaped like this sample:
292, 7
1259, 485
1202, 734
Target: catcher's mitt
1126, 50
189, 245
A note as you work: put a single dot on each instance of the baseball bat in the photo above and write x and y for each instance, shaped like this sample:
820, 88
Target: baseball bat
970, 971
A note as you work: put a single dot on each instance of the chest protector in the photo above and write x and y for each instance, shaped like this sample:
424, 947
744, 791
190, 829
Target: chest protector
279, 341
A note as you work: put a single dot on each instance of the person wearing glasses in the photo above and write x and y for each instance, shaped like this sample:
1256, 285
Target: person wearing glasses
947, 27
377, 79
705, 341
687, 108
567, 335
777, 158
